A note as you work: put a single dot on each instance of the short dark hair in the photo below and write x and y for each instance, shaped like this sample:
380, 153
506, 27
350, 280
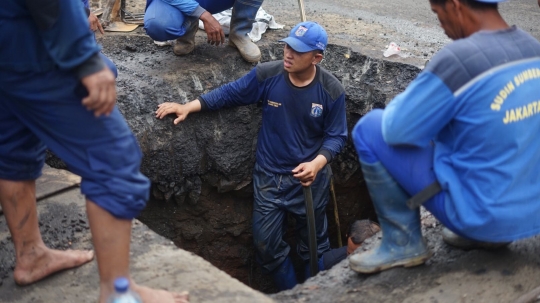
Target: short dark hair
360, 230
475, 5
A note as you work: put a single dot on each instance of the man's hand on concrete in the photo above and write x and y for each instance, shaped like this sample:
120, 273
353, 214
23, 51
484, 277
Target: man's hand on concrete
101, 88
307, 172
213, 29
180, 110
95, 24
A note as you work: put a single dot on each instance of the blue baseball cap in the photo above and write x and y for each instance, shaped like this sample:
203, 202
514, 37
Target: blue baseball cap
307, 36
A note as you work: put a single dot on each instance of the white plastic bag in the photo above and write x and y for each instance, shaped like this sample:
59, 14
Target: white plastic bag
393, 49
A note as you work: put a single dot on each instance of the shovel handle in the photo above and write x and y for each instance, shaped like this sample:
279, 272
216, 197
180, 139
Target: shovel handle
302, 10
312, 232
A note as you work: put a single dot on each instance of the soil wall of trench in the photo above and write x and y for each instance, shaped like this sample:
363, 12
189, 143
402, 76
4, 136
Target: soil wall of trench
201, 169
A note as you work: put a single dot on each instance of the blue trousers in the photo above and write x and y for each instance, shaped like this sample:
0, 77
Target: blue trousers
164, 22
411, 167
275, 196
44, 110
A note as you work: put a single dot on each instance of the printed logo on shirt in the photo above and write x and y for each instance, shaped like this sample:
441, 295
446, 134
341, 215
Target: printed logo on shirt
274, 104
301, 31
316, 110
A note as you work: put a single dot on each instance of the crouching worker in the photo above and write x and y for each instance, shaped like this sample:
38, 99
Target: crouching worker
56, 93
466, 124
303, 128
179, 19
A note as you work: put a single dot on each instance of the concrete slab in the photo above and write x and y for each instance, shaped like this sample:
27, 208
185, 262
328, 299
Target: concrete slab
54, 180
156, 262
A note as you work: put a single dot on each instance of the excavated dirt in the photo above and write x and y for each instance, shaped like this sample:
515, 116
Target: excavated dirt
201, 169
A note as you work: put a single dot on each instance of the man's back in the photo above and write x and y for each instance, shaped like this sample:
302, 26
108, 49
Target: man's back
482, 163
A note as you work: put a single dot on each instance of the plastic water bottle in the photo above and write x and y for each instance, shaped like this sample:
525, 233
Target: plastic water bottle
122, 293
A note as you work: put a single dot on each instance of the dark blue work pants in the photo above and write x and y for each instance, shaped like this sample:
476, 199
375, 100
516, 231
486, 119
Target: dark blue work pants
275, 196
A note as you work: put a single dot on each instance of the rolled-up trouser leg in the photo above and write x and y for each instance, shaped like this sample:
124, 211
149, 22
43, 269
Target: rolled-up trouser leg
46, 109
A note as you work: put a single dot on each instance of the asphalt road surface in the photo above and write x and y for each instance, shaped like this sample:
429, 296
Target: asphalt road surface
370, 26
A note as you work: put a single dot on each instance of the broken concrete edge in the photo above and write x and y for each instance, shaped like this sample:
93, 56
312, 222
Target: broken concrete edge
53, 182
155, 261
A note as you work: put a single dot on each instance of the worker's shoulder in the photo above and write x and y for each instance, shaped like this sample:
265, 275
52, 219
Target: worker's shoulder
462, 60
269, 69
330, 83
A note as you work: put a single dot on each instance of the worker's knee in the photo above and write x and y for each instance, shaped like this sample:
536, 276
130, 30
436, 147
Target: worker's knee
163, 22
365, 133
116, 183
369, 123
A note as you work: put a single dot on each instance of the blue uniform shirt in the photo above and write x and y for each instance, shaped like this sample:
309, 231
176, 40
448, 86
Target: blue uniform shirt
484, 126
297, 124
50, 35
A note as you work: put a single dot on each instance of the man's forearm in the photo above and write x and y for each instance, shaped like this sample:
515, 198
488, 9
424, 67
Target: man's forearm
194, 106
320, 161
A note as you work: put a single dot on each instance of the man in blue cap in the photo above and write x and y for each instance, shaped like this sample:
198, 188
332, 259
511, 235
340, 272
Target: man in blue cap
303, 128
464, 134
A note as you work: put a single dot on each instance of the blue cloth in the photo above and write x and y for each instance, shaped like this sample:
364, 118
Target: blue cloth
166, 19
275, 196
487, 168
297, 124
39, 110
109, 64
333, 257
64, 43
40, 107
105, 59
410, 166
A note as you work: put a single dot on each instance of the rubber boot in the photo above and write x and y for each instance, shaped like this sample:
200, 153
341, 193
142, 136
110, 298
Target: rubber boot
284, 276
402, 243
243, 16
186, 44
467, 244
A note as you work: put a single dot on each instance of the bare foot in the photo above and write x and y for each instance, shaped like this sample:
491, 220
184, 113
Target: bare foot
41, 262
150, 295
